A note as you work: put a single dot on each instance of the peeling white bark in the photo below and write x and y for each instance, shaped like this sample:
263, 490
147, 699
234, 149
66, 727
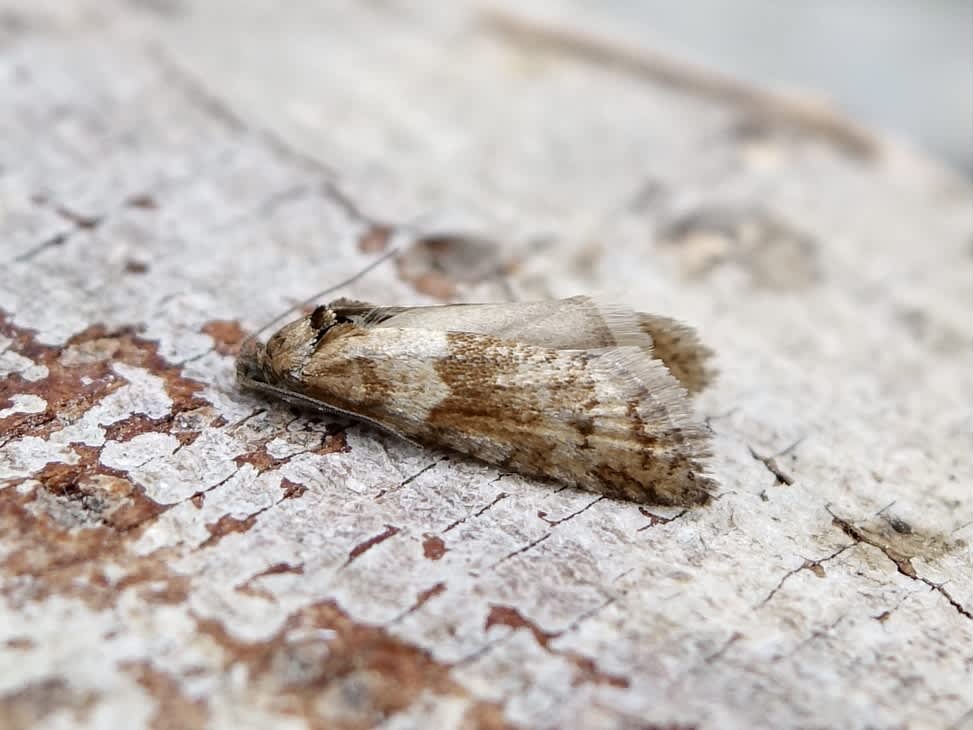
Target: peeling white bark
177, 551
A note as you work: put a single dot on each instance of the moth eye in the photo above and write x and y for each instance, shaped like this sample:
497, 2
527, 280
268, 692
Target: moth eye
321, 318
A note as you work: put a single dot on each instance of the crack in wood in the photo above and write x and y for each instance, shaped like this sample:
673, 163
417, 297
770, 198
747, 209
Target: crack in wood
781, 476
422, 598
408, 480
521, 551
366, 545
262, 209
591, 612
501, 496
50, 242
902, 562
331, 441
655, 519
201, 494
816, 634
197, 91
80, 222
555, 523
706, 661
813, 565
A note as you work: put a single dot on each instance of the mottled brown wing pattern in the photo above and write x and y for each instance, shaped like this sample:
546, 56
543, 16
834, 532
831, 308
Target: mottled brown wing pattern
578, 323
612, 422
546, 389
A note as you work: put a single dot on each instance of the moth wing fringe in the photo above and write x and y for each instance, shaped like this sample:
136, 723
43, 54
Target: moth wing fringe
675, 344
648, 380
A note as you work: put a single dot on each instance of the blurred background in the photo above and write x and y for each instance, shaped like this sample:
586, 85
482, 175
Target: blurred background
905, 66
902, 66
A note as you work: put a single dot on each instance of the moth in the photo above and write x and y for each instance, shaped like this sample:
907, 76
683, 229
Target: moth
589, 395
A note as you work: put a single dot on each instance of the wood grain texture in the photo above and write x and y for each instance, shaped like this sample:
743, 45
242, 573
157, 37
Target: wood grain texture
175, 552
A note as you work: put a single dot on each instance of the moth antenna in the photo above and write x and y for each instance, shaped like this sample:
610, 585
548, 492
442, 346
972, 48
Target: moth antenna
341, 285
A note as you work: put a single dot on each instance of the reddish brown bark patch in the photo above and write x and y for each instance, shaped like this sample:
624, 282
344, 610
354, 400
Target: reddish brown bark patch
375, 239
589, 672
336, 440
777, 255
435, 285
333, 441
138, 424
250, 588
588, 669
156, 585
508, 616
102, 496
57, 563
428, 594
366, 545
227, 525
435, 265
342, 675
174, 709
60, 531
80, 374
227, 334
292, 490
484, 716
135, 425
27, 707
279, 568
259, 459
433, 547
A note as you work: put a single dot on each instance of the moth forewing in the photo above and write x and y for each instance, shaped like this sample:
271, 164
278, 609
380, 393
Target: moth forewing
257, 370
561, 389
578, 323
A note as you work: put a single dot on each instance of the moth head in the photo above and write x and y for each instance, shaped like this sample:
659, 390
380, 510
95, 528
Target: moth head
251, 362
284, 354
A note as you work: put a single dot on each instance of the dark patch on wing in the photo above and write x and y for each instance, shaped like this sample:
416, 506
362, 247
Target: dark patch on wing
679, 349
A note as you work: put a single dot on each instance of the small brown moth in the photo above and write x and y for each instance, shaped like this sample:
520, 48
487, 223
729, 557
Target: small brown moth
591, 396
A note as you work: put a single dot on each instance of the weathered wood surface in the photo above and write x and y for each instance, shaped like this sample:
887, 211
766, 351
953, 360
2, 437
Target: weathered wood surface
177, 553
